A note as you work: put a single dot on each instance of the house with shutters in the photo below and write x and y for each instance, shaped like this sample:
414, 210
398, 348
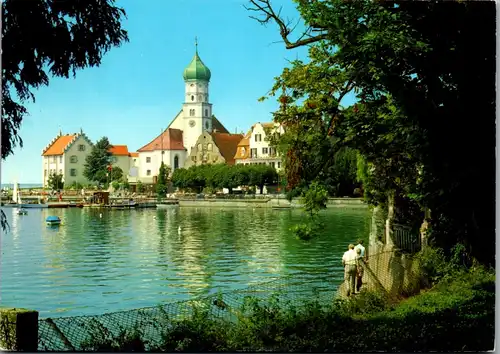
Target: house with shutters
255, 147
65, 155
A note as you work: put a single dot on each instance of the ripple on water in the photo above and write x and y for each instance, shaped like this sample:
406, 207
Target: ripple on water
128, 259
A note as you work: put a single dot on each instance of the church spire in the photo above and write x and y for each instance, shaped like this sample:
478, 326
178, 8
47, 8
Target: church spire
196, 44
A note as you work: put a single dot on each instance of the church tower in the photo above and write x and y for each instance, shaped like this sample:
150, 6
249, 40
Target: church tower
197, 110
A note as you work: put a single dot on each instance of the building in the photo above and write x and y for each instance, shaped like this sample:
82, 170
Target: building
125, 160
174, 144
66, 155
213, 148
255, 147
168, 147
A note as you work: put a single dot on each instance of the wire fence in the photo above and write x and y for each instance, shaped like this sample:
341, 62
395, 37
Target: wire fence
77, 333
393, 275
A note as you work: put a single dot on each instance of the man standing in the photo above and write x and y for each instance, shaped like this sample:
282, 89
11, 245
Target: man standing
350, 269
360, 261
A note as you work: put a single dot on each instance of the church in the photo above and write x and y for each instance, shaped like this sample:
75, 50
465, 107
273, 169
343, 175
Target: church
175, 144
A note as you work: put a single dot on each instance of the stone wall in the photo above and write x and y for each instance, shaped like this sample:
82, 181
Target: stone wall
266, 203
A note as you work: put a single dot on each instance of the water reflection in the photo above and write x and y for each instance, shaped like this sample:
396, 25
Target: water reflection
135, 258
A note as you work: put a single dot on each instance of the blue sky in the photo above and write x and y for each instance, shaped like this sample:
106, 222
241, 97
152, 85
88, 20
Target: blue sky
138, 89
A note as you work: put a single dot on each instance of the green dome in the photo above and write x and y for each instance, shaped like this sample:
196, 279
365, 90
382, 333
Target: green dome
196, 70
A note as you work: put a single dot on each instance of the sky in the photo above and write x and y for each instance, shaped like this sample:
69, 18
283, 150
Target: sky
138, 89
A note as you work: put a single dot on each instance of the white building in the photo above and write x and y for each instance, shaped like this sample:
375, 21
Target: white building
66, 155
255, 147
173, 145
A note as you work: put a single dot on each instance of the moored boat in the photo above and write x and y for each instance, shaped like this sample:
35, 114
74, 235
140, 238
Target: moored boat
22, 212
53, 220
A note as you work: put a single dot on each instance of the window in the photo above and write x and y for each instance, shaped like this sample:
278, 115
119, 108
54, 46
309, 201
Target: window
191, 112
272, 164
206, 112
272, 151
253, 152
45, 173
279, 164
206, 97
54, 159
199, 147
243, 150
258, 137
60, 159
264, 151
148, 172
72, 172
192, 98
148, 159
176, 162
210, 147
193, 158
60, 172
207, 125
73, 159
81, 147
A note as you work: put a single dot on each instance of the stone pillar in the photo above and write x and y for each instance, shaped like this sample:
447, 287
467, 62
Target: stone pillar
18, 329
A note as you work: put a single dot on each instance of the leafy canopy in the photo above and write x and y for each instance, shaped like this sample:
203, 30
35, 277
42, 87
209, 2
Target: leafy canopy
424, 118
98, 161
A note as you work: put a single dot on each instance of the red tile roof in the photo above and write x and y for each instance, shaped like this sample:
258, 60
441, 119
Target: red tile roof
170, 139
58, 146
217, 126
243, 150
133, 154
227, 144
119, 150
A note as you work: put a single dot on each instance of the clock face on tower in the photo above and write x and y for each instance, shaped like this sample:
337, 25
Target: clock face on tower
192, 123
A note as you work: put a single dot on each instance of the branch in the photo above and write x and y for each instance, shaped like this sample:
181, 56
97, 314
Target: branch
265, 8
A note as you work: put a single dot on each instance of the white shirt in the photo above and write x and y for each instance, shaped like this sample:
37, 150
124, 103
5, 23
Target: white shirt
362, 248
349, 257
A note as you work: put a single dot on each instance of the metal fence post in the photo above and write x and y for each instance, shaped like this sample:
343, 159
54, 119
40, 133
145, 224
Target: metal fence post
18, 329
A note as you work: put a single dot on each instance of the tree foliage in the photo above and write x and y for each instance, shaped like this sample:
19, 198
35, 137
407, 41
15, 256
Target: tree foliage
98, 161
55, 181
116, 174
45, 38
219, 176
421, 124
162, 183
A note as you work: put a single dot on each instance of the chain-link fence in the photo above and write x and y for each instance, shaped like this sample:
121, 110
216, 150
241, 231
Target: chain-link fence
77, 333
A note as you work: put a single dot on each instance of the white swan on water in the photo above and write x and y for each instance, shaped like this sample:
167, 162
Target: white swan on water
100, 215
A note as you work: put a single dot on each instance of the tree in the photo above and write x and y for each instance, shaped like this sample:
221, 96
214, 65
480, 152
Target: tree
55, 181
415, 68
98, 161
116, 173
162, 183
83, 31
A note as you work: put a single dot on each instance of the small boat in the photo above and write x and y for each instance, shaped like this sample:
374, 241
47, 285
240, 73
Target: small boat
53, 220
22, 212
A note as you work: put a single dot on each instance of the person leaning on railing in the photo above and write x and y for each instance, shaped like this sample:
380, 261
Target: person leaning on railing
361, 259
350, 269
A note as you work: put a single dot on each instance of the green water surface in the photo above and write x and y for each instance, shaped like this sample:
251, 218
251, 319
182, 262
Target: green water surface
111, 260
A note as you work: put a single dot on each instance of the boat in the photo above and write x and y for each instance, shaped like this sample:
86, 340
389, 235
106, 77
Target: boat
22, 211
53, 220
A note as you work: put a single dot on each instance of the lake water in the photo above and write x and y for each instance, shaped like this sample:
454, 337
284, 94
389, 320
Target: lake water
136, 258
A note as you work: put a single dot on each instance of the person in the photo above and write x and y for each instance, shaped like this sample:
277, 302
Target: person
361, 247
360, 269
349, 263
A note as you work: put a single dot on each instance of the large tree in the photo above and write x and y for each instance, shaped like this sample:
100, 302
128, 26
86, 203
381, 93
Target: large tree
423, 75
43, 38
97, 163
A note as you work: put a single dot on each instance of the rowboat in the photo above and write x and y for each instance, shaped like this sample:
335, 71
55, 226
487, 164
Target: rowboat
53, 220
